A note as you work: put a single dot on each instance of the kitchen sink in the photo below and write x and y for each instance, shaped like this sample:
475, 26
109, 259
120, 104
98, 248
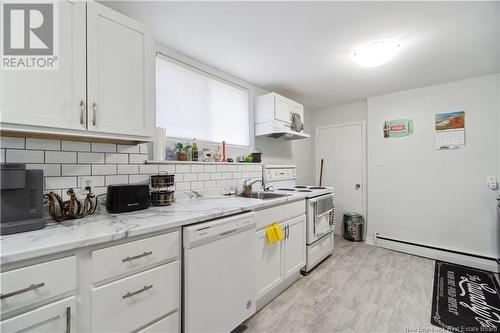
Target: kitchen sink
266, 195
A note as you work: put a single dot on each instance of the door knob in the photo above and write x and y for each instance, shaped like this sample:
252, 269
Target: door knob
357, 186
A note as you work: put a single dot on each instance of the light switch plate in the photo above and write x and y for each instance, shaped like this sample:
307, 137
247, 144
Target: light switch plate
380, 162
491, 182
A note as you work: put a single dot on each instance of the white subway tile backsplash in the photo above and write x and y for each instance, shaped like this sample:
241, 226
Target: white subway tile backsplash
179, 177
182, 186
256, 174
24, 156
128, 169
241, 168
169, 168
197, 186
232, 168
116, 179
103, 169
221, 183
210, 168
75, 146
129, 149
215, 176
227, 175
197, 168
232, 182
53, 183
44, 144
182, 168
60, 157
12, 142
116, 158
134, 179
246, 175
48, 169
137, 158
210, 184
104, 147
237, 175
148, 168
190, 177
203, 176
95, 158
75, 169
221, 168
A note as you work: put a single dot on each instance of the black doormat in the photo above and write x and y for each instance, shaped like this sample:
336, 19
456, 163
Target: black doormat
465, 299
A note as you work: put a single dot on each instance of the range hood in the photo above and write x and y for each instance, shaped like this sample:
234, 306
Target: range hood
274, 116
276, 129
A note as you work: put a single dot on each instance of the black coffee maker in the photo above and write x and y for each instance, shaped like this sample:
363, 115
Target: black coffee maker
21, 199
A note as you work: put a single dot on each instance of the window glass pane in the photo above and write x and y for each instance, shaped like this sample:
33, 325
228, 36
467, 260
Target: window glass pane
191, 104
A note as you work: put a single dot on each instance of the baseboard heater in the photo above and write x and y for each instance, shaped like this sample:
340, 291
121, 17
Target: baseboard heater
438, 248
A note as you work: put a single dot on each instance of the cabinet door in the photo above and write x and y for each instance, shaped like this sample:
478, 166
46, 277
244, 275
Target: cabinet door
57, 317
51, 98
294, 252
269, 268
120, 55
282, 108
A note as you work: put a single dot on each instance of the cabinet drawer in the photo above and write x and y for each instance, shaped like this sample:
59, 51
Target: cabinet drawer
27, 285
279, 213
169, 324
124, 258
132, 302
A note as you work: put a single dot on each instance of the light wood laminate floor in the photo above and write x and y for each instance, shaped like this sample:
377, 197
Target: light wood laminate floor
360, 288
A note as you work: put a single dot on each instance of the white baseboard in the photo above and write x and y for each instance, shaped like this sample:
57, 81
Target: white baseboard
489, 265
370, 240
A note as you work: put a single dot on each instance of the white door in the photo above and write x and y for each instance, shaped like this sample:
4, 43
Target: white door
57, 317
294, 252
342, 148
120, 73
269, 268
51, 98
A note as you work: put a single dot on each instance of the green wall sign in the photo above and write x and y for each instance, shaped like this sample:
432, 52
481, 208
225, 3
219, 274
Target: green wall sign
398, 128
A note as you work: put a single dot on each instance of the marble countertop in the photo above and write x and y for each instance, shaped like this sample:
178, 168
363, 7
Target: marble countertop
101, 228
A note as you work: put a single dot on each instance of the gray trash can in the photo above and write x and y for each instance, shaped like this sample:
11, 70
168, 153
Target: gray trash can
353, 227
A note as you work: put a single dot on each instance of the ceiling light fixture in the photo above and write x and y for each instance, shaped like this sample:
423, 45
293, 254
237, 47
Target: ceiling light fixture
376, 53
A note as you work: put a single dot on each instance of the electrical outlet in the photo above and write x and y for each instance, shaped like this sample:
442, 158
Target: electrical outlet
87, 183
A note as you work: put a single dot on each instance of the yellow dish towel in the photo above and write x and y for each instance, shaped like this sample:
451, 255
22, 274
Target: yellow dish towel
274, 233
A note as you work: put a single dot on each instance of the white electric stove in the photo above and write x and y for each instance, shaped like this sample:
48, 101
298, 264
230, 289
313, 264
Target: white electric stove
320, 210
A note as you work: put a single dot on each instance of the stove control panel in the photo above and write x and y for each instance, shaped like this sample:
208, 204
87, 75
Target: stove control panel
279, 173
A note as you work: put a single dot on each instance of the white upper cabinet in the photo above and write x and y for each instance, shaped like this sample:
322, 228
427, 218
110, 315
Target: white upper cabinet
120, 70
52, 98
104, 86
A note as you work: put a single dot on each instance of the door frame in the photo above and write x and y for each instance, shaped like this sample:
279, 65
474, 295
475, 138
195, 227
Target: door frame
364, 195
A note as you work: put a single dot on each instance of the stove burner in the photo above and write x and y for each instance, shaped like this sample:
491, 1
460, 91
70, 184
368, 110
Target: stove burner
304, 191
318, 188
300, 186
286, 189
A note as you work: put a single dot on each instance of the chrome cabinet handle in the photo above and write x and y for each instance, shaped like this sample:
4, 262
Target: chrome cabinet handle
94, 113
82, 111
144, 254
133, 293
68, 319
287, 232
22, 291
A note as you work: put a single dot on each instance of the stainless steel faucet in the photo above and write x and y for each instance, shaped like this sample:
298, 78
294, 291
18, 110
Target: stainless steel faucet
247, 187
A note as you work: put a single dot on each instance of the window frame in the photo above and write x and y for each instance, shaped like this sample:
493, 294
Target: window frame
200, 71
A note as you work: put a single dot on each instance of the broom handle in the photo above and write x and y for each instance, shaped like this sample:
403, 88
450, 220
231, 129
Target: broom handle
321, 174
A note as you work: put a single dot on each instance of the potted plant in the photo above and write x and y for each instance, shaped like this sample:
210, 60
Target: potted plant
182, 151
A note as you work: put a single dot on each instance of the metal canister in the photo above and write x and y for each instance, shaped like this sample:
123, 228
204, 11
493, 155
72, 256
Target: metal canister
353, 227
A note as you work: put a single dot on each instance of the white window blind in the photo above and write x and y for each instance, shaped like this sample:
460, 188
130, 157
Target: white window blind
192, 104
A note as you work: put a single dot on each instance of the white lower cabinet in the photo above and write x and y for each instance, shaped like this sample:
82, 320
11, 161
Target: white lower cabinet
57, 317
166, 325
278, 261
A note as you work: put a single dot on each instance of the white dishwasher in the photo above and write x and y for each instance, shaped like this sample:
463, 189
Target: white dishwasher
219, 274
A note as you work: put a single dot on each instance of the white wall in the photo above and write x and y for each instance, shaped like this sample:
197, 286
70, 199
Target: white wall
276, 151
432, 197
